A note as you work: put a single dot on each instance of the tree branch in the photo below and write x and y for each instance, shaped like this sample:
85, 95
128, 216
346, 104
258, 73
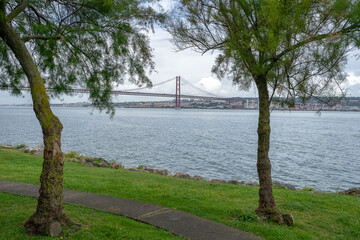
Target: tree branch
31, 37
19, 9
316, 38
38, 14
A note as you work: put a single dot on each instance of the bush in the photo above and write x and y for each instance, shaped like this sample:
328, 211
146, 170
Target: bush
20, 146
140, 167
244, 215
308, 189
71, 155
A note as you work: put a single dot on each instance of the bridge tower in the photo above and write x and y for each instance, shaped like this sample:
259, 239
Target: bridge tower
177, 95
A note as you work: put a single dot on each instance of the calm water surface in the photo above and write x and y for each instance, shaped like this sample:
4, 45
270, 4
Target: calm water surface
307, 149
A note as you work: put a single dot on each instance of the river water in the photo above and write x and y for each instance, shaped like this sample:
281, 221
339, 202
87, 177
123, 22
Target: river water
307, 149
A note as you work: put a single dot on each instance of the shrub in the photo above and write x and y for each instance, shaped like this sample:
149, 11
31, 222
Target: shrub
20, 146
244, 215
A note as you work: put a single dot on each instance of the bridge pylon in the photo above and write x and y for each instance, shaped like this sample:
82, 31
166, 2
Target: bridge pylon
178, 94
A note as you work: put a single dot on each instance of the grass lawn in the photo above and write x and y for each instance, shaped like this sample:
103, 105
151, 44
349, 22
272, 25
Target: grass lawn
14, 210
317, 216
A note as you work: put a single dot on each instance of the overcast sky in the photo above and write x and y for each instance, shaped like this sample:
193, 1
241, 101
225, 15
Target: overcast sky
193, 67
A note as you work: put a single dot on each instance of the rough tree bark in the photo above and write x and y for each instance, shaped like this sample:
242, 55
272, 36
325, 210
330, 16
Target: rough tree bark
49, 212
266, 198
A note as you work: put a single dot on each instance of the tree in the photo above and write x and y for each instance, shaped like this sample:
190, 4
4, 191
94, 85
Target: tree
59, 44
289, 49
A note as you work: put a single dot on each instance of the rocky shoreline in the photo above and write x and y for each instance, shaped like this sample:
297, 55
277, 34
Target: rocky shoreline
100, 162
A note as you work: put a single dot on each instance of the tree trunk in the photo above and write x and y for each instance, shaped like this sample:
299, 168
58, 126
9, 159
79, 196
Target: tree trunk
49, 211
266, 198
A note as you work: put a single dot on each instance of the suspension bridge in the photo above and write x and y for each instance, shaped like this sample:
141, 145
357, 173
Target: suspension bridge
179, 83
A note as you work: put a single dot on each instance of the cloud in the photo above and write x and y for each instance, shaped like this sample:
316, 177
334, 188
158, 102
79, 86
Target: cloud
209, 84
353, 78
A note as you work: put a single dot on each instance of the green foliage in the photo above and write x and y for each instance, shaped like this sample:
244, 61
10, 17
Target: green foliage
20, 146
244, 215
95, 44
71, 155
141, 167
299, 46
308, 189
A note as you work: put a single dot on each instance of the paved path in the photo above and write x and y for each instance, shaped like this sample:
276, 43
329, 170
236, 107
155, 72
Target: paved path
180, 223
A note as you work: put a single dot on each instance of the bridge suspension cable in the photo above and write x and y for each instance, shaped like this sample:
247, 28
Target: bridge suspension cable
146, 87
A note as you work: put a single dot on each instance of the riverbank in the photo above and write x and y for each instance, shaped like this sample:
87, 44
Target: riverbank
100, 162
317, 215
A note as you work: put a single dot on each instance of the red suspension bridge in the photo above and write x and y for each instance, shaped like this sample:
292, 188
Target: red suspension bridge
177, 95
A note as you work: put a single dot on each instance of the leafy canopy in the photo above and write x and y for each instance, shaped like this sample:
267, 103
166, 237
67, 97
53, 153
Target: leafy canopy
95, 44
299, 46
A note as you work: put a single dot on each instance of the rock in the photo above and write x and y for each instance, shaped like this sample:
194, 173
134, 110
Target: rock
276, 218
151, 170
136, 170
249, 183
213, 180
163, 172
284, 185
233, 182
116, 165
55, 229
36, 150
104, 164
88, 162
22, 149
6, 147
286, 219
198, 178
74, 160
352, 191
182, 175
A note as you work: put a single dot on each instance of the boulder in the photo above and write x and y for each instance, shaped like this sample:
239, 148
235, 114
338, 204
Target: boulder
163, 172
104, 164
213, 180
74, 160
55, 229
37, 150
88, 162
248, 183
352, 192
22, 149
136, 170
6, 147
288, 219
151, 170
182, 175
284, 185
198, 178
116, 165
234, 182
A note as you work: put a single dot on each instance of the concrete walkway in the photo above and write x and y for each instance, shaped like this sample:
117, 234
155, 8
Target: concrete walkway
180, 223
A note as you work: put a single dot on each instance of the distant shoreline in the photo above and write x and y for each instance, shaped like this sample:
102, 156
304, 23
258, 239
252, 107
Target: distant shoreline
185, 108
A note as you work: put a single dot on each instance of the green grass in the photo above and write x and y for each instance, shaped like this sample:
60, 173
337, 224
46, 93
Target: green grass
317, 215
96, 224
